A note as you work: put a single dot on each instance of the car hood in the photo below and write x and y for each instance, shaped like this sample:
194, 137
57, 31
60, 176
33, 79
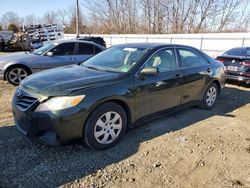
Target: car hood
64, 80
17, 57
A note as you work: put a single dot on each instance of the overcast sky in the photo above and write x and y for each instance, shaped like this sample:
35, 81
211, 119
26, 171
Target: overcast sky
37, 7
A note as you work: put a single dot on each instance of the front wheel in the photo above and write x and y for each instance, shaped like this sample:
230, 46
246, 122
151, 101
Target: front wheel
105, 126
209, 97
15, 75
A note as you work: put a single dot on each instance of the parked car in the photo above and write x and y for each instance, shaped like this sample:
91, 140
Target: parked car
97, 40
2, 43
15, 67
237, 63
114, 90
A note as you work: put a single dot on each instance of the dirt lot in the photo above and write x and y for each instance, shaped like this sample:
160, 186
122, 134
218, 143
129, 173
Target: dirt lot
191, 148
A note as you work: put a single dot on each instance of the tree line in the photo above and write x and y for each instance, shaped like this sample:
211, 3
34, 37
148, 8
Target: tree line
145, 17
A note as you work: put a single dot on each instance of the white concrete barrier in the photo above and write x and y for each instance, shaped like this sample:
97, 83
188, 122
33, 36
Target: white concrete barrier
213, 44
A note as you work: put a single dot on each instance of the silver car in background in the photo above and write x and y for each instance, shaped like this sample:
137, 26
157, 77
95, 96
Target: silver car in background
16, 66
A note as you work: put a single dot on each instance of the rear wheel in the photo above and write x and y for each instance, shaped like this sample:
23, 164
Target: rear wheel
209, 97
16, 74
247, 83
105, 126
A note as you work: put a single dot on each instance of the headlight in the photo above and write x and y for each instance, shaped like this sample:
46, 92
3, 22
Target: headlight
59, 103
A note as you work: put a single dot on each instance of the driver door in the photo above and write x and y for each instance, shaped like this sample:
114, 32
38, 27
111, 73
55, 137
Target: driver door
155, 93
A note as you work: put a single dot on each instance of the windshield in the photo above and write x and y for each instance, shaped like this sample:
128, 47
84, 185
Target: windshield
116, 59
43, 49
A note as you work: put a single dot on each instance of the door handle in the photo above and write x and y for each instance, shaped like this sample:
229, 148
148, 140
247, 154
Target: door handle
209, 70
178, 76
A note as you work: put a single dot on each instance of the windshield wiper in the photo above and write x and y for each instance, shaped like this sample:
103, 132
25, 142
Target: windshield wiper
98, 68
91, 67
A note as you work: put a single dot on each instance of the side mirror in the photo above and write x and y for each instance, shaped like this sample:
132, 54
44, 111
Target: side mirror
50, 54
149, 71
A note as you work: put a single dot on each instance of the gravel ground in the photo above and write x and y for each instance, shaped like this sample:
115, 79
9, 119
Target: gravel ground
191, 148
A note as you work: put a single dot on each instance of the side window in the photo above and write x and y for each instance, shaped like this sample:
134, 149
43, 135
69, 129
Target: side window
85, 49
97, 50
203, 60
165, 60
188, 58
248, 51
64, 49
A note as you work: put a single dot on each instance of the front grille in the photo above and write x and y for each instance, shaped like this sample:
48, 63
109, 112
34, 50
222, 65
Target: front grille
24, 100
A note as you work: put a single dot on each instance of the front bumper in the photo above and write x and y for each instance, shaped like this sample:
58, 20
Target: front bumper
51, 128
1, 74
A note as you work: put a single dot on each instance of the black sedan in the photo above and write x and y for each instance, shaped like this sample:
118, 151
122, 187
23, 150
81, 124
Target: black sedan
237, 63
98, 100
2, 44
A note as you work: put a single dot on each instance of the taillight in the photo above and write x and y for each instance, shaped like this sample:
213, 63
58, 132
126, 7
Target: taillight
220, 60
245, 62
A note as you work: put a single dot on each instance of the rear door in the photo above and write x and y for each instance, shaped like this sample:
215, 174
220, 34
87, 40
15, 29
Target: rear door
196, 71
62, 56
155, 93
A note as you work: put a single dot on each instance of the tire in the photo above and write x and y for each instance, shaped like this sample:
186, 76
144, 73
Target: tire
210, 96
16, 74
246, 84
101, 125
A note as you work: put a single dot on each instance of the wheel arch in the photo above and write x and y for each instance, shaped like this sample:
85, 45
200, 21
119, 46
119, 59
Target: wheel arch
125, 106
120, 102
16, 65
217, 82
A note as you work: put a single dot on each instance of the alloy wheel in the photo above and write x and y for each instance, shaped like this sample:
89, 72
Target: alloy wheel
16, 75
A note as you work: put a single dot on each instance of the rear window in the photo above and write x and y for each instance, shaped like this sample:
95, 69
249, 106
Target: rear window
188, 58
248, 52
237, 52
97, 50
86, 49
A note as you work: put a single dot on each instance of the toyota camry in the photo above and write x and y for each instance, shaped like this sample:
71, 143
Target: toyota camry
98, 100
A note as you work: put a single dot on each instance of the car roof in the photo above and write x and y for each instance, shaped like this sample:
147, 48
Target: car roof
70, 40
78, 41
240, 48
152, 45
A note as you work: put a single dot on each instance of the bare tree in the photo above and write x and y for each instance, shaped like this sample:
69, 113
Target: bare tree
244, 16
147, 16
30, 19
63, 16
229, 6
50, 17
10, 18
71, 26
153, 16
115, 16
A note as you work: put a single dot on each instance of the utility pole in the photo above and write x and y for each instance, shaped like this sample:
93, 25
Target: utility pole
77, 19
